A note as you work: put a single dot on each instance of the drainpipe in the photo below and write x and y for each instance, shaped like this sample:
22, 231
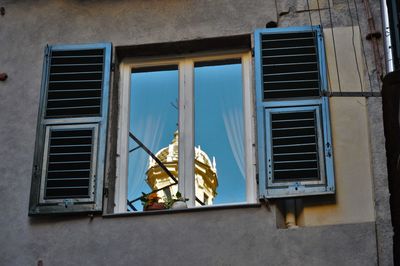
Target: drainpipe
386, 38
373, 36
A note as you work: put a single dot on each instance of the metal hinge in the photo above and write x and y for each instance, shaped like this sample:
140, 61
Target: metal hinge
328, 150
36, 171
112, 67
105, 192
47, 50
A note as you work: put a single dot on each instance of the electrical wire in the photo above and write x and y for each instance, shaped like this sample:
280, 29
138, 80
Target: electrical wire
362, 45
354, 46
334, 46
309, 12
277, 12
319, 13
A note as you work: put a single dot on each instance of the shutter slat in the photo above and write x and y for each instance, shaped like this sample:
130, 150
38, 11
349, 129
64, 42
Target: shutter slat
74, 81
289, 64
74, 90
294, 161
296, 145
73, 107
49, 188
291, 128
289, 81
281, 57
68, 170
291, 137
289, 73
76, 56
68, 179
73, 99
293, 153
295, 170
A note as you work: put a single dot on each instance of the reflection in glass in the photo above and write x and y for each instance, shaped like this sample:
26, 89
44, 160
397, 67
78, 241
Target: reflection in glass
219, 151
153, 121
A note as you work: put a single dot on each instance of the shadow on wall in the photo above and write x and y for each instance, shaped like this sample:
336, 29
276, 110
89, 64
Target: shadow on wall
391, 104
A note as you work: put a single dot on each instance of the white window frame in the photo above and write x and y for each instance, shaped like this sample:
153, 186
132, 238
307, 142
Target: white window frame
186, 122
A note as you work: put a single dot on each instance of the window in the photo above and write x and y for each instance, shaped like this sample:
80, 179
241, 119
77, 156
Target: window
294, 141
194, 116
69, 156
185, 124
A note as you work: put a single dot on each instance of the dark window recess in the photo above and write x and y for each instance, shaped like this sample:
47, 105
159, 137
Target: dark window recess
290, 65
69, 164
75, 83
295, 146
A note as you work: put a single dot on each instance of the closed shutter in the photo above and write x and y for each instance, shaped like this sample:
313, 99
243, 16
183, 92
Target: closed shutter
294, 139
70, 147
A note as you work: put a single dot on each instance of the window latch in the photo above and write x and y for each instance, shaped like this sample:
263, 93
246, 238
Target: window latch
296, 187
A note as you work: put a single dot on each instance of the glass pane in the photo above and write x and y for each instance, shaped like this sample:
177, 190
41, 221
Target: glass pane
154, 122
219, 133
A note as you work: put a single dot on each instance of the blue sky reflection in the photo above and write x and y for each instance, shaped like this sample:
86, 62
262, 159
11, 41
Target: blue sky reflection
219, 126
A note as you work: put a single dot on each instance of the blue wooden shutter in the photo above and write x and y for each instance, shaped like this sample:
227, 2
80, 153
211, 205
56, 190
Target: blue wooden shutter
70, 146
294, 138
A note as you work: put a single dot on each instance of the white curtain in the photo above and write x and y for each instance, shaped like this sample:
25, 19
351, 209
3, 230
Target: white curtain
149, 131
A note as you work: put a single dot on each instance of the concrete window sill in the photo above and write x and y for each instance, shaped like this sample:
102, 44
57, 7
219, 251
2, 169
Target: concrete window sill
195, 209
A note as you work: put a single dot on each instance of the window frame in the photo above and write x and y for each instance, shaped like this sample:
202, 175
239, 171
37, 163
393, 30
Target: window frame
186, 166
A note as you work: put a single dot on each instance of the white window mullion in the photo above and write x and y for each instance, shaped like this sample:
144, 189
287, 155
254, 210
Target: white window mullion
186, 131
251, 186
121, 181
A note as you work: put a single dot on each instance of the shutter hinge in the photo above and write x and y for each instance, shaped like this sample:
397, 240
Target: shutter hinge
36, 171
105, 192
47, 50
112, 67
328, 150
252, 52
266, 203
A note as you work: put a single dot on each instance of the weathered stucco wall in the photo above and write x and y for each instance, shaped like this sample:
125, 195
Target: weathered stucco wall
350, 136
246, 236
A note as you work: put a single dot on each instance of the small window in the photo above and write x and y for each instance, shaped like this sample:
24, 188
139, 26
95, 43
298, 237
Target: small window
187, 131
294, 139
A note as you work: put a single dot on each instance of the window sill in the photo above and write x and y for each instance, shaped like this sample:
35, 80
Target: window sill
195, 209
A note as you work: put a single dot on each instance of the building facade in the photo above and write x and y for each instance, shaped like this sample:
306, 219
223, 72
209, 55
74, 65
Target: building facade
66, 170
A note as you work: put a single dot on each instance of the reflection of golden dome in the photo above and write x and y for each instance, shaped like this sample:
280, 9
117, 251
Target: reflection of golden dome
205, 171
167, 154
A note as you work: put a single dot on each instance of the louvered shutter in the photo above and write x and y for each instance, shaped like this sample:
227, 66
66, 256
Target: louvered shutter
70, 147
294, 139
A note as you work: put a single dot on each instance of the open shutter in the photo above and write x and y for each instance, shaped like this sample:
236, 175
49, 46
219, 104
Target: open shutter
294, 139
70, 147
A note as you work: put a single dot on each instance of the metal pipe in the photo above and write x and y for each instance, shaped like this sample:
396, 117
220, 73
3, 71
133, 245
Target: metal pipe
290, 217
373, 37
387, 38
